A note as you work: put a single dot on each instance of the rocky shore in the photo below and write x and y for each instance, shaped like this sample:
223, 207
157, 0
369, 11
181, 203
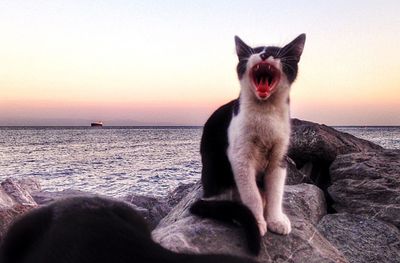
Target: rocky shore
342, 196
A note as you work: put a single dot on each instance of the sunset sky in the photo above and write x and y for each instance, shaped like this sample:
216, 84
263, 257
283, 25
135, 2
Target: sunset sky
173, 62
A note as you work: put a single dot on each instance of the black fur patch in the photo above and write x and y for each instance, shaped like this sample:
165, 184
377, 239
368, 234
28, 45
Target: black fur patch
83, 229
241, 68
236, 107
216, 174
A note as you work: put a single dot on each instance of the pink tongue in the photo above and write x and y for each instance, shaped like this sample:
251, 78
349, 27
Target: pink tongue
263, 89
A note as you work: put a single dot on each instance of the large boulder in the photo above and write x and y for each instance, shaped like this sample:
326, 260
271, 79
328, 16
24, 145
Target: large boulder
174, 197
312, 142
367, 183
17, 192
313, 147
294, 175
45, 197
15, 199
29, 184
151, 208
362, 239
305, 205
154, 209
304, 202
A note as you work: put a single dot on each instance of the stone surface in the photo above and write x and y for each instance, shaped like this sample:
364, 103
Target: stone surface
31, 185
295, 176
151, 208
14, 200
317, 142
368, 183
313, 147
45, 197
181, 231
18, 196
305, 201
18, 193
179, 193
154, 209
362, 239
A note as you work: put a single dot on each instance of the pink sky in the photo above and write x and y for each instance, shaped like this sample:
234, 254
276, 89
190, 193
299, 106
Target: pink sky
67, 63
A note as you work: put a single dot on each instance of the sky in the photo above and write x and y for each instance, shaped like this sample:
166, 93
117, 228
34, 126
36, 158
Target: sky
173, 62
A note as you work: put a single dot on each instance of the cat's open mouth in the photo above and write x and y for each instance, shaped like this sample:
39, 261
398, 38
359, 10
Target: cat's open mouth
265, 78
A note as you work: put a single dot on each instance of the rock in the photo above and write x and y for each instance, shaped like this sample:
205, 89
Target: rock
179, 193
181, 210
305, 201
367, 183
19, 194
181, 231
295, 176
45, 197
313, 147
362, 239
312, 142
31, 185
14, 200
152, 209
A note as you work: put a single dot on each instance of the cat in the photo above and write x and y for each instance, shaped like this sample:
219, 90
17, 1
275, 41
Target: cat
244, 143
90, 230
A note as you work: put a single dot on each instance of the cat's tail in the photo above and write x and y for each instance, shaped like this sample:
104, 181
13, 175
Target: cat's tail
229, 211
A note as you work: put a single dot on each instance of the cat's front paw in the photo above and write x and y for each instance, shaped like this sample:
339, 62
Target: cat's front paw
279, 224
262, 226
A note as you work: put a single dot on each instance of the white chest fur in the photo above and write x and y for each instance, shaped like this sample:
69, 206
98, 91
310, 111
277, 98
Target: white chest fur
256, 131
258, 139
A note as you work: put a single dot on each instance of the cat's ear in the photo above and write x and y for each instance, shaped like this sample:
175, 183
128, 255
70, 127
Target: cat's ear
295, 48
242, 50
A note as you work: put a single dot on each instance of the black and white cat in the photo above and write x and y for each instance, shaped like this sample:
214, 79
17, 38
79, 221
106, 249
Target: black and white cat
245, 141
90, 230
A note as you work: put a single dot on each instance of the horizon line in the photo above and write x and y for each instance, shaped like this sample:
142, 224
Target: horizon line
171, 125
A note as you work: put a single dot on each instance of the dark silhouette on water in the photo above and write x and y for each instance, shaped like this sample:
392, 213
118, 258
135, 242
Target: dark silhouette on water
97, 124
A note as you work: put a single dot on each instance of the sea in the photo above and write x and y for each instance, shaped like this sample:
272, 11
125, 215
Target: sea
118, 161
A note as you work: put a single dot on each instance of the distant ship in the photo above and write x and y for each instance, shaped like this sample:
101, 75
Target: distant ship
97, 124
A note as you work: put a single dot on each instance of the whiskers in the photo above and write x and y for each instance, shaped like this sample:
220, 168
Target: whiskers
288, 62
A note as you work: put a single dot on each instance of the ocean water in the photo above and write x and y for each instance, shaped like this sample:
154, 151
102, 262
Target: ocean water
109, 161
118, 161
386, 136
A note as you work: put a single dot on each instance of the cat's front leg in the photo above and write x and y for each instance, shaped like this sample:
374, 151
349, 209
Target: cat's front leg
245, 178
277, 221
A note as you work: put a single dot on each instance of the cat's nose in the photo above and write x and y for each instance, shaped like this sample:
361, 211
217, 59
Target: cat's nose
263, 56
